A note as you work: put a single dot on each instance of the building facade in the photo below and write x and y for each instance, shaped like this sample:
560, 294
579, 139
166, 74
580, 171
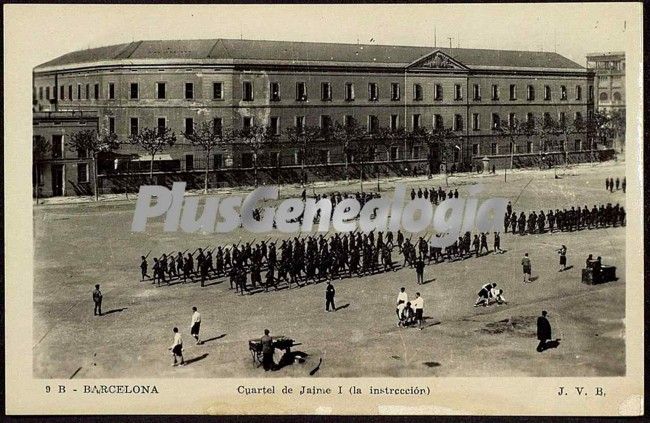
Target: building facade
609, 80
240, 83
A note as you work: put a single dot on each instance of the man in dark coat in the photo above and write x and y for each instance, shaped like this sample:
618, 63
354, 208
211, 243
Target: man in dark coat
329, 296
267, 351
543, 331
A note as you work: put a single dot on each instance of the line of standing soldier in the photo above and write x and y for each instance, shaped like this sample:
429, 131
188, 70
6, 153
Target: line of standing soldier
575, 218
610, 183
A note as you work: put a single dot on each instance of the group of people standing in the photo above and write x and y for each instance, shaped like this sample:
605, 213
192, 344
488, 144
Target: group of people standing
575, 218
610, 183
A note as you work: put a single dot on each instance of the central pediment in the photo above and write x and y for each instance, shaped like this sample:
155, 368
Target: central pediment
436, 60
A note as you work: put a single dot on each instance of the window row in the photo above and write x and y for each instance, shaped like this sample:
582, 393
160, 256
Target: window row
527, 147
84, 92
372, 123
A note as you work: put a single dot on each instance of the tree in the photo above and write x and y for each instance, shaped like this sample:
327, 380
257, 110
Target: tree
92, 143
435, 139
346, 135
153, 140
302, 137
255, 137
208, 138
512, 130
40, 148
617, 119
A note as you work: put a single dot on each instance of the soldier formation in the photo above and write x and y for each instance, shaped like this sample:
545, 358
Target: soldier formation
610, 184
576, 218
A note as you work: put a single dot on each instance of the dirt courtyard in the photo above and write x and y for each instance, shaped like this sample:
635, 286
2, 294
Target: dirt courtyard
78, 245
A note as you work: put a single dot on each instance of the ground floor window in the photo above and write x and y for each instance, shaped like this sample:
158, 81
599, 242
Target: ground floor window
475, 150
323, 156
189, 162
494, 149
529, 147
416, 152
578, 145
275, 159
394, 153
247, 160
218, 161
82, 173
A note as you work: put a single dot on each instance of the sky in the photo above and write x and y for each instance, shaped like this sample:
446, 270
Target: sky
572, 30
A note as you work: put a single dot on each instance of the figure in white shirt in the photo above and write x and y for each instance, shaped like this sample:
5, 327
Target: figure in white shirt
497, 294
418, 306
177, 348
402, 299
195, 325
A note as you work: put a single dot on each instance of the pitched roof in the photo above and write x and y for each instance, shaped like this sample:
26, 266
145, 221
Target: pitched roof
288, 52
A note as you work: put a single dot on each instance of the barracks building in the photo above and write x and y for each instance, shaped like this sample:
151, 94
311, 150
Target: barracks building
237, 83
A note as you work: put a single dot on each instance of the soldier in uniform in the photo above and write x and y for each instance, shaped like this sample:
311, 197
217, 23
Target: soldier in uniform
506, 222
551, 220
143, 268
97, 300
513, 223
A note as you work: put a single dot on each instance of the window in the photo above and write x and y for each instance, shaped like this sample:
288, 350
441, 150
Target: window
603, 96
530, 119
218, 161
348, 120
82, 172
300, 122
189, 162
217, 125
47, 93
496, 121
417, 92
247, 122
326, 91
325, 121
547, 92
70, 97
578, 92
394, 153
111, 125
247, 160
458, 92
437, 92
512, 118
476, 122
591, 93
513, 92
161, 90
547, 119
301, 91
96, 93
161, 124
111, 91
87, 91
247, 91
475, 150
530, 93
417, 121
275, 125
323, 156
437, 122
189, 126
133, 93
373, 124
274, 88
189, 91
134, 126
477, 92
275, 159
416, 152
349, 92
577, 145
529, 147
494, 149
373, 91
394, 122
563, 95
78, 91
62, 93
495, 92
217, 91
57, 146
394, 91
561, 119
578, 117
458, 122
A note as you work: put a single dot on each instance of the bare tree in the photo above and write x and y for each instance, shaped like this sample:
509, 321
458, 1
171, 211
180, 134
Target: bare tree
208, 137
153, 141
512, 131
346, 135
303, 137
435, 139
255, 138
40, 148
92, 143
